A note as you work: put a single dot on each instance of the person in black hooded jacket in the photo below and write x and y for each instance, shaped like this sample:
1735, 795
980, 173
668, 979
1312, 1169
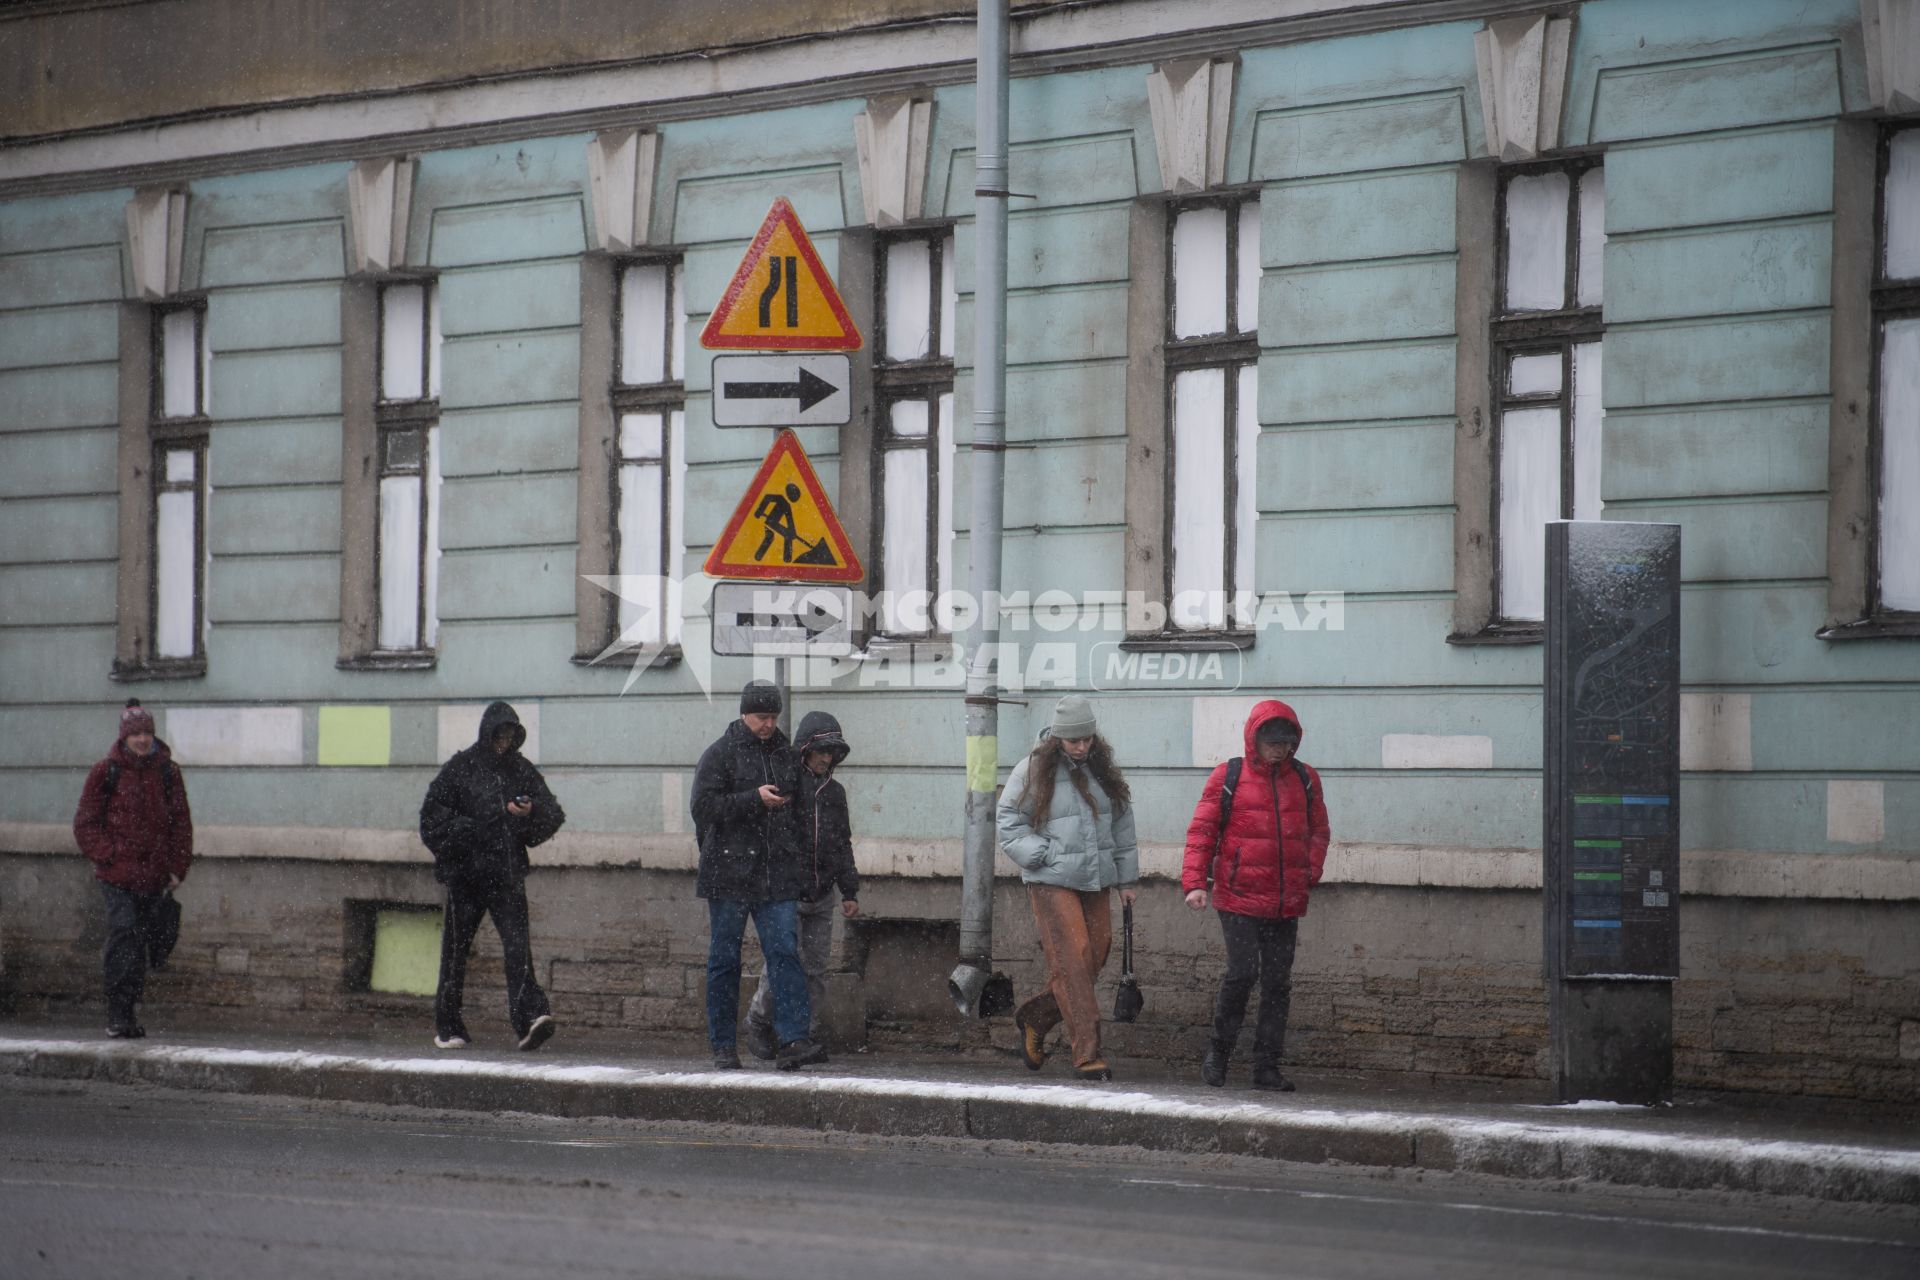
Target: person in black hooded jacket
752, 864
826, 836
484, 810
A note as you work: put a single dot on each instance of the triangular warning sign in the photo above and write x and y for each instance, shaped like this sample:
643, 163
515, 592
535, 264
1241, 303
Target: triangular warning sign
784, 528
781, 298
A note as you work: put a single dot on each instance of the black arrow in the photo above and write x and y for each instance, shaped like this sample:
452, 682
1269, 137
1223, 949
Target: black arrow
809, 390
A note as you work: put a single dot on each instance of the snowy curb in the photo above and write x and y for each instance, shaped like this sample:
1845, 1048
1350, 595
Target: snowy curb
1032, 1113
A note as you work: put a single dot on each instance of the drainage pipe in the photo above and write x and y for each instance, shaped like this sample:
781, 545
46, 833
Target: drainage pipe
970, 981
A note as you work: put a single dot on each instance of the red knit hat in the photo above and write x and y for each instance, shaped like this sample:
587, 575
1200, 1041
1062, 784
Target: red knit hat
135, 719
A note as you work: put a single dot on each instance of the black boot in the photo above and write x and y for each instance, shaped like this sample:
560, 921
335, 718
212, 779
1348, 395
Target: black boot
1213, 1067
1266, 1075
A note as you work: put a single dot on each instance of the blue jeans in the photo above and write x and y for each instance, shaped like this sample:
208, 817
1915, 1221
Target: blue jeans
776, 923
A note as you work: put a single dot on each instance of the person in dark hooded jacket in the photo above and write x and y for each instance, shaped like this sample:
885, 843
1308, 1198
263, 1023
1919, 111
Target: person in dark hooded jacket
484, 810
134, 826
753, 864
826, 836
1258, 852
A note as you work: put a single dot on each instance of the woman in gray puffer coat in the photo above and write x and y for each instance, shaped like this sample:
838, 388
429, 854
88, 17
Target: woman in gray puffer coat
1066, 819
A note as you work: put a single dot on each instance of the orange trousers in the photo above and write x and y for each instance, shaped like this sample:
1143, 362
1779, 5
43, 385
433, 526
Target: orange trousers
1076, 933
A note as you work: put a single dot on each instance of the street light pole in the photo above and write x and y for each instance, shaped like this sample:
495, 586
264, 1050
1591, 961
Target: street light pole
970, 979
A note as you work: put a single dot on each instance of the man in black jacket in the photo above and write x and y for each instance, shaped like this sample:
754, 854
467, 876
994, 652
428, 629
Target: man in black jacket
752, 864
826, 836
487, 807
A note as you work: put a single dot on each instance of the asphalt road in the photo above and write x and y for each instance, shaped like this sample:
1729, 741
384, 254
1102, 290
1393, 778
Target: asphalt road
100, 1181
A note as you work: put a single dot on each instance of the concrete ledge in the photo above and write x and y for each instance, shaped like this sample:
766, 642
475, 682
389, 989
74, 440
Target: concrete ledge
1025, 1113
1711, 873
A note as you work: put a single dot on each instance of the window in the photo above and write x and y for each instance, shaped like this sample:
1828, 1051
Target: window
914, 439
1213, 424
1894, 574
1545, 344
650, 466
177, 403
407, 415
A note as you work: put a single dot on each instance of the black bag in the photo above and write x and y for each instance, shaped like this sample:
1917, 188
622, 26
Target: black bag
165, 932
1127, 1000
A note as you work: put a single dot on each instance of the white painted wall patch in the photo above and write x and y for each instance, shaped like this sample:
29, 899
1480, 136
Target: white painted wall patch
1716, 732
1436, 751
234, 735
460, 727
1856, 811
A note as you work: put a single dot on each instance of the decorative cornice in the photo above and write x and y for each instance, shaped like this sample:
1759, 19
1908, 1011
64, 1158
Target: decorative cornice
907, 60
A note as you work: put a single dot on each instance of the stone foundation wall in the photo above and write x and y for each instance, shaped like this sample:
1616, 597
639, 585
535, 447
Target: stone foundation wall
1777, 995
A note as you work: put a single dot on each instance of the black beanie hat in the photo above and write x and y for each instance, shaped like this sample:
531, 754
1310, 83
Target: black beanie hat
759, 698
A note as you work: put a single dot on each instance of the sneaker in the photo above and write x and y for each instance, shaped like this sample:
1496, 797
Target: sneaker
726, 1058
760, 1040
1266, 1075
801, 1053
539, 1033
455, 1041
1213, 1068
125, 1030
1033, 1044
1095, 1070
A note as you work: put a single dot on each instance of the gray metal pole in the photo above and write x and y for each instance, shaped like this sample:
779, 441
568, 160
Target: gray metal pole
970, 978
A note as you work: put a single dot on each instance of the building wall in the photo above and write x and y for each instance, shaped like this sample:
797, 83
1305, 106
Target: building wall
1801, 782
1775, 996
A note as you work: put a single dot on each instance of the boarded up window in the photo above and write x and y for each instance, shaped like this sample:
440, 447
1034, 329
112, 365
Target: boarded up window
407, 414
1213, 425
181, 374
913, 470
1546, 375
650, 465
1896, 304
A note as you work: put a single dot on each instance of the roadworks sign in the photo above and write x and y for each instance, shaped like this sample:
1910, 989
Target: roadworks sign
781, 298
784, 528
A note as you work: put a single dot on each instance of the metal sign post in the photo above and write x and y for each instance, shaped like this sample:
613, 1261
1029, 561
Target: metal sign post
1611, 855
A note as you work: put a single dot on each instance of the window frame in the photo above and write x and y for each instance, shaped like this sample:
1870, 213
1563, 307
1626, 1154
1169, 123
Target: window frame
165, 434
1231, 350
1890, 299
665, 398
1512, 333
397, 417
923, 379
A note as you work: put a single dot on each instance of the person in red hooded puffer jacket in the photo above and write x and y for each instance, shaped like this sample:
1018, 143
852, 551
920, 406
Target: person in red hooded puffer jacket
134, 826
1259, 861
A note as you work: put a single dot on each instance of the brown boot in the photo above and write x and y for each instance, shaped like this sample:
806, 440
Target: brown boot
1033, 1043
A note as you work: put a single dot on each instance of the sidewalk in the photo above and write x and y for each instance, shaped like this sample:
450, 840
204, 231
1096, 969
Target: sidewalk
1798, 1147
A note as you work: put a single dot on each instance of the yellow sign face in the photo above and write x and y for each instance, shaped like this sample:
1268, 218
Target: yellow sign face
784, 528
781, 298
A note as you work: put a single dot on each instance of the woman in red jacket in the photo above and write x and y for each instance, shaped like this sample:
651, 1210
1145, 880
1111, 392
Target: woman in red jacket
1258, 842
134, 826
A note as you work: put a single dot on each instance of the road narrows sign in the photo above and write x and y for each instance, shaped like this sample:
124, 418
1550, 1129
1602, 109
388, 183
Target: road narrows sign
784, 528
781, 298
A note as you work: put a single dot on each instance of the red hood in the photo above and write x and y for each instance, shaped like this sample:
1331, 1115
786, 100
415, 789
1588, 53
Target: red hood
1271, 709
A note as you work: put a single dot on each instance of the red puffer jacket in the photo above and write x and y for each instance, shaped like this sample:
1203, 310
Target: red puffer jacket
143, 832
1276, 843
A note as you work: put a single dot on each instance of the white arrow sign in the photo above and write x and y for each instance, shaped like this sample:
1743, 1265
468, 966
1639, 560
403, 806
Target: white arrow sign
781, 619
782, 391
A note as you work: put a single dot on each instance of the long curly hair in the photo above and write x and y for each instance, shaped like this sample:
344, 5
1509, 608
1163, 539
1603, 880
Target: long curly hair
1042, 770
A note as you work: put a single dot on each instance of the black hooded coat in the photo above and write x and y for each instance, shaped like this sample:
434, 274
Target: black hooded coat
748, 852
826, 828
464, 820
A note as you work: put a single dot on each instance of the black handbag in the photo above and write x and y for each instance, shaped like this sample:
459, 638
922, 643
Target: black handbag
1127, 1000
164, 933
